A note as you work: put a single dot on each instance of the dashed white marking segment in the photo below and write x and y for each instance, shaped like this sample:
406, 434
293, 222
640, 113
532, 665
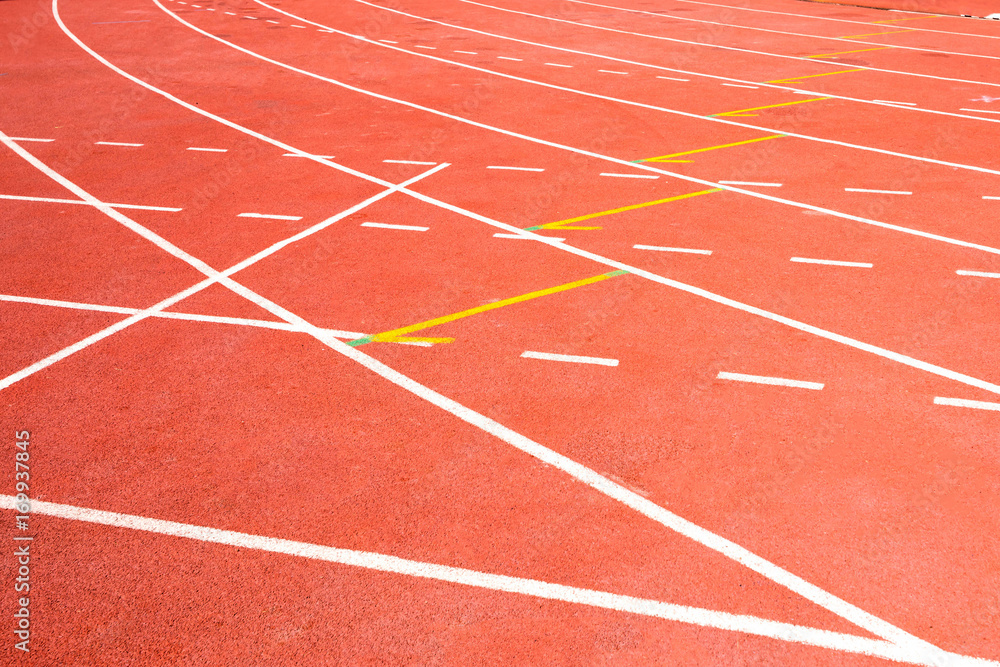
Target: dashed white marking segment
525, 237
231, 13
976, 110
87, 203
388, 41
494, 166
250, 17
740, 85
570, 358
297, 26
271, 21
323, 157
520, 60
116, 143
991, 197
31, 139
611, 71
879, 192
759, 185
208, 150
831, 262
557, 65
629, 175
429, 164
977, 274
468, 53
268, 216
383, 225
965, 403
667, 249
764, 379
421, 46
672, 78
905, 104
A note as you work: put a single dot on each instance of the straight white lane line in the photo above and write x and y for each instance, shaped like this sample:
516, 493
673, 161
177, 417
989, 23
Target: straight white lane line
980, 110
428, 164
831, 262
965, 403
991, 197
526, 237
672, 78
666, 249
764, 379
610, 71
85, 203
520, 60
905, 104
455, 575
879, 192
207, 150
493, 166
570, 358
116, 143
382, 225
759, 185
629, 175
31, 139
557, 65
388, 41
324, 157
978, 274
268, 216
740, 85
468, 53
421, 46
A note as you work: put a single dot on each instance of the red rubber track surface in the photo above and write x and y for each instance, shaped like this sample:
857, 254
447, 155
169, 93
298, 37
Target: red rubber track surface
866, 488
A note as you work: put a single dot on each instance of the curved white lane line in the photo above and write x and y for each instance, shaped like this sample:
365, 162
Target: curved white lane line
783, 32
728, 48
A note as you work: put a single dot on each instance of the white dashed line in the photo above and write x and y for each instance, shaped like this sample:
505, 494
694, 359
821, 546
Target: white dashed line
965, 403
382, 225
267, 216
270, 21
428, 164
421, 46
629, 175
609, 71
759, 185
570, 358
980, 110
297, 26
740, 85
324, 157
879, 192
493, 166
763, 379
831, 262
75, 201
116, 143
254, 18
672, 78
905, 104
523, 237
977, 274
208, 150
388, 41
666, 249
990, 197
31, 139
557, 65
520, 60
468, 53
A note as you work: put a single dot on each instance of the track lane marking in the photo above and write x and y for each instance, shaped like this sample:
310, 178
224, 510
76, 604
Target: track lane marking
207, 150
743, 112
668, 249
844, 53
494, 166
383, 225
668, 158
31, 139
879, 192
561, 224
569, 358
53, 200
269, 216
753, 184
831, 262
977, 274
813, 76
616, 175
764, 379
672, 78
905, 104
527, 237
965, 403
116, 143
416, 162
741, 85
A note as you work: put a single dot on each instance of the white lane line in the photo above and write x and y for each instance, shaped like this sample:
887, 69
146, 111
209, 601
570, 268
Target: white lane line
879, 192
905, 104
86, 203
759, 185
116, 143
268, 216
764, 379
672, 78
740, 85
31, 139
911, 645
557, 65
831, 262
465, 577
272, 21
421, 46
519, 60
991, 197
494, 166
980, 110
468, 53
525, 237
965, 403
667, 249
250, 17
324, 157
207, 150
383, 225
297, 26
570, 358
977, 274
388, 41
629, 175
611, 71
428, 164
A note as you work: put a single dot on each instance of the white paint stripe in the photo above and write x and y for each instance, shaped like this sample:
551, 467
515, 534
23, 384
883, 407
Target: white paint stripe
609, 71
557, 65
831, 262
667, 249
570, 358
914, 646
520, 60
740, 85
759, 185
965, 403
208, 150
672, 78
527, 237
466, 577
514, 168
31, 139
409, 162
116, 143
382, 225
879, 192
978, 274
629, 175
420, 46
763, 379
75, 201
309, 155
906, 104
980, 110
468, 53
388, 41
991, 197
268, 216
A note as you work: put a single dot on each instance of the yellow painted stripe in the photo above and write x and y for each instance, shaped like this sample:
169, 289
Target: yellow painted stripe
813, 76
558, 225
666, 158
875, 34
743, 112
844, 53
388, 336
